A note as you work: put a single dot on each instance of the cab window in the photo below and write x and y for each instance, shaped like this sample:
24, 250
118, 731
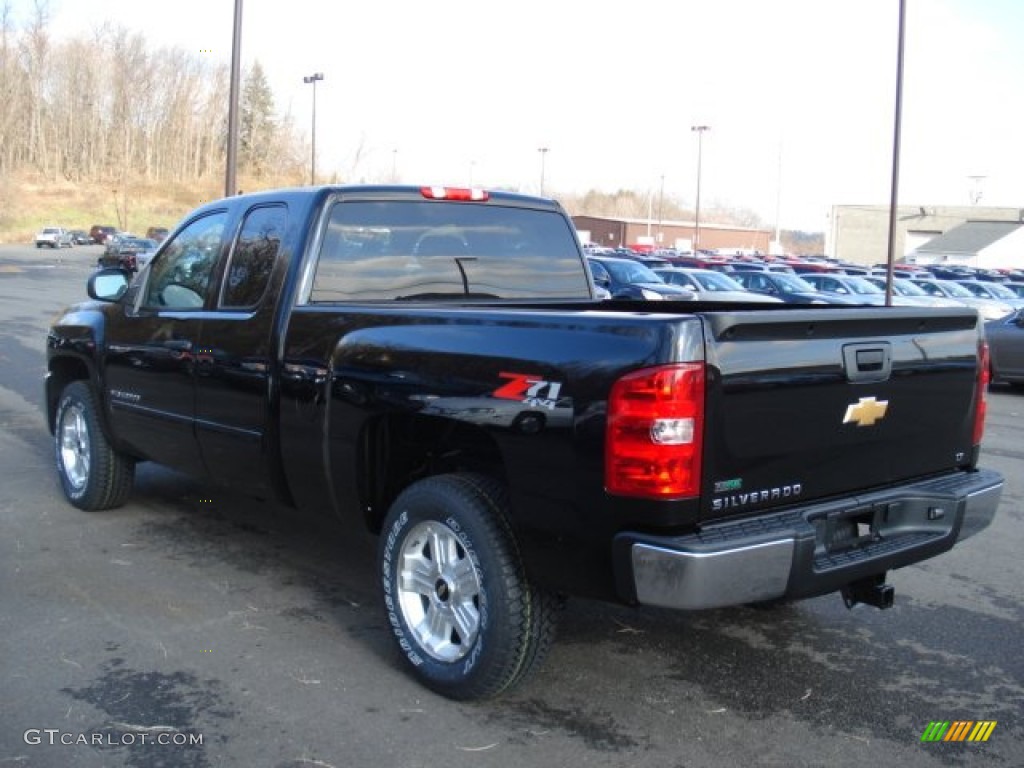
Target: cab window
403, 250
252, 260
181, 277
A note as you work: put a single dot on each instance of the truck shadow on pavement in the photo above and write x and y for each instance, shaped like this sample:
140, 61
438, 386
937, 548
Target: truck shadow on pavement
612, 669
886, 673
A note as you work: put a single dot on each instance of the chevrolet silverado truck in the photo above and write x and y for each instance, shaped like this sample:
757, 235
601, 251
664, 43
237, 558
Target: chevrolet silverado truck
430, 363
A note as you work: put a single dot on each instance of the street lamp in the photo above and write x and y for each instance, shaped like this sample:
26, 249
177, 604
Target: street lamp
699, 130
312, 165
543, 155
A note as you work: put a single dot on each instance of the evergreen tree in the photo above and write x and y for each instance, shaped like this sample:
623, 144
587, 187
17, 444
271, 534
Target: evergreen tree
256, 126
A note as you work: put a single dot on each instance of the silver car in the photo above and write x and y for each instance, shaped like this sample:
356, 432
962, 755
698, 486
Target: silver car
988, 290
905, 293
989, 309
710, 285
848, 286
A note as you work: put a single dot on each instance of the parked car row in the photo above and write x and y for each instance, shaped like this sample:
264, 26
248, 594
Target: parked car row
60, 237
730, 262
1001, 305
626, 278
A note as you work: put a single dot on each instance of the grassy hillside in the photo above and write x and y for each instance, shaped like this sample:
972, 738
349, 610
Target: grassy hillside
28, 203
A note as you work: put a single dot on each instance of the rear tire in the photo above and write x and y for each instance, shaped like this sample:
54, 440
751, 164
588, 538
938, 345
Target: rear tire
92, 474
462, 610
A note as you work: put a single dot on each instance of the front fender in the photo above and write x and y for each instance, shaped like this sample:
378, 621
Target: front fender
74, 346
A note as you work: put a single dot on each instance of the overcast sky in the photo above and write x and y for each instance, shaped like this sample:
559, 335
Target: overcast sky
450, 91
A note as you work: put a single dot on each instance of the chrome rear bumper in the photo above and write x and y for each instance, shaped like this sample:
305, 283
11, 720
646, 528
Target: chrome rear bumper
789, 554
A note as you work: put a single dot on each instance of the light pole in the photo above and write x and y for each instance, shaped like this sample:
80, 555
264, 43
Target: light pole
312, 164
231, 164
897, 130
699, 129
543, 156
661, 203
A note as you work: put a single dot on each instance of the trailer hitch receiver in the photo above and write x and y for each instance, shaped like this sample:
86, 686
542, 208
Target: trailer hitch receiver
870, 591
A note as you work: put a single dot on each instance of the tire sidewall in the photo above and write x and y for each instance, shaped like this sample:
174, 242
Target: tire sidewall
462, 677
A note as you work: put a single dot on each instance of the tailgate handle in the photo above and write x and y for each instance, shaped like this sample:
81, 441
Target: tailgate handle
868, 362
869, 359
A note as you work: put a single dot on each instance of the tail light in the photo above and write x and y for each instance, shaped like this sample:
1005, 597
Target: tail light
654, 434
984, 376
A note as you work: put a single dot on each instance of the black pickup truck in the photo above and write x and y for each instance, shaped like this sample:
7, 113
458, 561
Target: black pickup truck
431, 364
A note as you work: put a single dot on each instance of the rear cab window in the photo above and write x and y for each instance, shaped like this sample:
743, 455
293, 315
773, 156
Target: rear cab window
410, 250
253, 257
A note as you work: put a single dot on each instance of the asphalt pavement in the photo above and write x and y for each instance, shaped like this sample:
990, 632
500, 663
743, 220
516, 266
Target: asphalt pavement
196, 627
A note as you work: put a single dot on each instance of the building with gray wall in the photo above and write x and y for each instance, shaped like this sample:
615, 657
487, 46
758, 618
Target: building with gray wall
860, 233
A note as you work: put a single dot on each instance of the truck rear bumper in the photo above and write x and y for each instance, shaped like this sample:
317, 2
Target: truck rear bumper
807, 551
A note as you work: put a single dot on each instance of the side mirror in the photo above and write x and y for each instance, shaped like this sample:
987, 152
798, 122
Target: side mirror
108, 284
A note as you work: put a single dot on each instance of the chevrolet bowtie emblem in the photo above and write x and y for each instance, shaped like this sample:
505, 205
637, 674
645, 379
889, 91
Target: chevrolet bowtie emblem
866, 411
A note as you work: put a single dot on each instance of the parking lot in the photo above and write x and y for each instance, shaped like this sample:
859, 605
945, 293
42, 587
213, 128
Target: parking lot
197, 627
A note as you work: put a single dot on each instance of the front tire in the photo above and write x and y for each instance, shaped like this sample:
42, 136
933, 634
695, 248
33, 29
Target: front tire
92, 474
459, 603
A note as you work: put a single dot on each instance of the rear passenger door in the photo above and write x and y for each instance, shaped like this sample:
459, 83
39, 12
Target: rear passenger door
235, 354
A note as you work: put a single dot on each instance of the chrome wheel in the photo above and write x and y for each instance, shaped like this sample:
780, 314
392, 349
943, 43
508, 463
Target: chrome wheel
75, 453
439, 591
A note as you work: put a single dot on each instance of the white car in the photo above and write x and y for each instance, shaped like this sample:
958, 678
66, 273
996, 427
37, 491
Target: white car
54, 237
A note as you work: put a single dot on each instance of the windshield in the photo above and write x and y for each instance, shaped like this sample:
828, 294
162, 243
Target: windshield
1000, 291
906, 288
793, 284
716, 281
631, 272
862, 287
955, 289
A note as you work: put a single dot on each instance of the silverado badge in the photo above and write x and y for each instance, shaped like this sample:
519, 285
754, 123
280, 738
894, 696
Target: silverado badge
866, 411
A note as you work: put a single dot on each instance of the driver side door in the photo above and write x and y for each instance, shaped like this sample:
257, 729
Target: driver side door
152, 347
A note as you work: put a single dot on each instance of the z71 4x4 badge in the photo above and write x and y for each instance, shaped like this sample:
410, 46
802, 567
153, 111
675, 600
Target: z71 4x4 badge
529, 388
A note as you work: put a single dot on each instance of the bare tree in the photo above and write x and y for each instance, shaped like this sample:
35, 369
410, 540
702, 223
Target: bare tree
110, 108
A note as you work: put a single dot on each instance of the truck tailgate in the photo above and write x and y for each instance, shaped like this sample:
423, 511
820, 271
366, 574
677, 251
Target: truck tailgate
809, 404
